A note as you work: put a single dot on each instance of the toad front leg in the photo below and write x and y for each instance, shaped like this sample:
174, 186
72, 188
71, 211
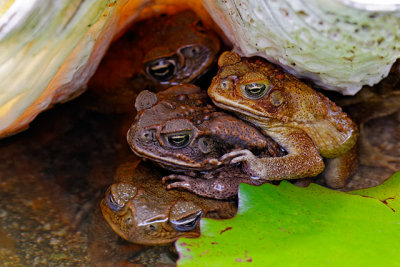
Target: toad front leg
302, 160
222, 185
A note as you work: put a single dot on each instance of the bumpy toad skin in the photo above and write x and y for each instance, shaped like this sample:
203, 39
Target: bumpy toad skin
140, 210
182, 132
221, 183
304, 122
154, 54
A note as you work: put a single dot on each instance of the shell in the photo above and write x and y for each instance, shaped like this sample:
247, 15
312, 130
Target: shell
49, 49
341, 45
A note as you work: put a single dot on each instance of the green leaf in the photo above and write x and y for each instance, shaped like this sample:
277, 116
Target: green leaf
287, 225
388, 192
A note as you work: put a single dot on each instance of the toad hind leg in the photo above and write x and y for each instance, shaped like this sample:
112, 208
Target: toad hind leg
338, 170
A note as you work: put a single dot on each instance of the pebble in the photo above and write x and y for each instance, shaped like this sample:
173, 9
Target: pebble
47, 227
54, 241
3, 213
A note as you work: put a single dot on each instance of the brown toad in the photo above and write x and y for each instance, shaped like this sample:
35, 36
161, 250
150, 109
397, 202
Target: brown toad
140, 210
181, 131
304, 122
154, 54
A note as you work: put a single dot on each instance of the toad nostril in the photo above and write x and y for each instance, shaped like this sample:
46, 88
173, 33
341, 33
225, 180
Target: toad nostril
225, 84
200, 27
147, 136
128, 220
192, 51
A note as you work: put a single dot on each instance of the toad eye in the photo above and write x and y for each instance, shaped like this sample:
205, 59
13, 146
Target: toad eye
119, 194
255, 90
178, 139
161, 69
112, 203
188, 223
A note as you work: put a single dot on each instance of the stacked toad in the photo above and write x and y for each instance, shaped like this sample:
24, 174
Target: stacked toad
182, 132
179, 50
287, 130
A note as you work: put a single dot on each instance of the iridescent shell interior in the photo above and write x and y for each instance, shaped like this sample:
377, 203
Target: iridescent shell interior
49, 51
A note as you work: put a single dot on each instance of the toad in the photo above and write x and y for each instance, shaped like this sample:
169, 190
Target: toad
304, 122
154, 54
182, 132
140, 210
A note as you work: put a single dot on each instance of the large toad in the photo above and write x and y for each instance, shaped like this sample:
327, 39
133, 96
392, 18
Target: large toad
140, 210
154, 54
181, 131
304, 122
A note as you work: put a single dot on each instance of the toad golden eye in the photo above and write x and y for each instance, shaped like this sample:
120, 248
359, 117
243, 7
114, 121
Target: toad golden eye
178, 140
255, 90
161, 69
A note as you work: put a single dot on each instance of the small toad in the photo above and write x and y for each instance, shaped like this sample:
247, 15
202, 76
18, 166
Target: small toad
304, 122
140, 210
181, 131
154, 54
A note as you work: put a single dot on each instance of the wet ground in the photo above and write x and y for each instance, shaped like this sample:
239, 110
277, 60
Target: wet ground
51, 179
384, 135
53, 175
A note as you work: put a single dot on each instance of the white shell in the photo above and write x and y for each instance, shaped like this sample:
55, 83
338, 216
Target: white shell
341, 45
45, 50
